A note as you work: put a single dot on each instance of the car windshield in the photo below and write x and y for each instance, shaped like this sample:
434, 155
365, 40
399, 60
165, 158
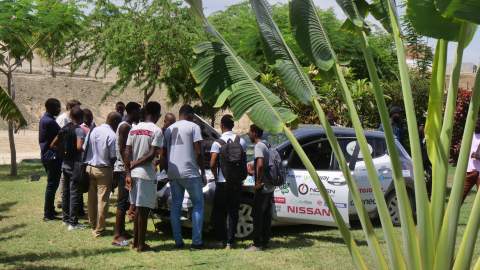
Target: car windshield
272, 139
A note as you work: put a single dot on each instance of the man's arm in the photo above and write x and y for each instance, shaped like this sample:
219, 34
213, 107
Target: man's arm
122, 138
199, 156
148, 157
213, 164
259, 173
126, 162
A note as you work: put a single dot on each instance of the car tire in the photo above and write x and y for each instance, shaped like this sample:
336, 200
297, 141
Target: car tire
245, 219
392, 206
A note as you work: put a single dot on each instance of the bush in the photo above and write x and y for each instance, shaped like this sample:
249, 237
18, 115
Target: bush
463, 101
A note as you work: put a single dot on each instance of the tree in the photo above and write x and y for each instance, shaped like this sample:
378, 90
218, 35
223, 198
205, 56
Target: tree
17, 41
59, 24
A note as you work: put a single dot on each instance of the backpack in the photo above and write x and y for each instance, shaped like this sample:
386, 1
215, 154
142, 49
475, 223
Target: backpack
233, 161
68, 139
275, 171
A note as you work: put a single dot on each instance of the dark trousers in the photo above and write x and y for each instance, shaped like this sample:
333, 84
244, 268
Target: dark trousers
262, 218
225, 212
122, 197
471, 179
53, 168
72, 198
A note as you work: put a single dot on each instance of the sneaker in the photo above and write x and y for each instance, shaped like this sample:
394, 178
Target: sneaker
253, 248
197, 247
76, 227
180, 246
228, 246
47, 219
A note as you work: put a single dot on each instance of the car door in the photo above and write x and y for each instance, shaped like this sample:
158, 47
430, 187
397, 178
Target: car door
299, 200
357, 165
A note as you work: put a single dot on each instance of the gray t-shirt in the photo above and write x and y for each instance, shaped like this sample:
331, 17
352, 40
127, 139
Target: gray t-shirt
68, 164
179, 140
261, 151
141, 138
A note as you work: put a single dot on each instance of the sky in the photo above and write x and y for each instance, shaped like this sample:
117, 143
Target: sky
471, 53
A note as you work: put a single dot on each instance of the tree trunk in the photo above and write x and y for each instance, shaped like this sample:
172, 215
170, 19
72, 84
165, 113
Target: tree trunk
52, 63
30, 62
148, 94
11, 137
213, 118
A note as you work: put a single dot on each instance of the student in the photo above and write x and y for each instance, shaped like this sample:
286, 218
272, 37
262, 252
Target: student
472, 178
168, 121
143, 144
227, 191
262, 202
100, 159
132, 117
88, 123
48, 129
120, 108
70, 140
186, 172
64, 118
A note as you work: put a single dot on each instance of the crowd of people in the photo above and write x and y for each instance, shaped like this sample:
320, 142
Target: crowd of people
127, 152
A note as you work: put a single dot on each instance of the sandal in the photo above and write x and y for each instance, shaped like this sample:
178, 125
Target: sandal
123, 243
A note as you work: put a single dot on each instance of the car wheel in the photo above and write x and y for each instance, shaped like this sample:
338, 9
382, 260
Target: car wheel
245, 220
392, 206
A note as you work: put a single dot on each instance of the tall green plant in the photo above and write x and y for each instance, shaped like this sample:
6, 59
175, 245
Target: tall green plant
222, 75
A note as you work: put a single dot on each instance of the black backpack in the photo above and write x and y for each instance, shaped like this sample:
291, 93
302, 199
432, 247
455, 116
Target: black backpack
68, 139
233, 161
276, 172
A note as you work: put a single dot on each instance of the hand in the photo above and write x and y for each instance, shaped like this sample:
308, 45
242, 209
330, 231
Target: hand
258, 186
133, 164
128, 182
250, 169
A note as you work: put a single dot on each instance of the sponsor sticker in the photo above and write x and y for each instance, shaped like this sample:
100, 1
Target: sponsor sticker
280, 200
310, 211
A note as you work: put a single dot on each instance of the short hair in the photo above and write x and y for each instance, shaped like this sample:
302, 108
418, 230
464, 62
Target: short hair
227, 121
51, 104
120, 103
258, 131
153, 108
72, 103
186, 110
132, 107
76, 114
87, 114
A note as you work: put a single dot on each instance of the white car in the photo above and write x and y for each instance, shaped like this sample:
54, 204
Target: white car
299, 201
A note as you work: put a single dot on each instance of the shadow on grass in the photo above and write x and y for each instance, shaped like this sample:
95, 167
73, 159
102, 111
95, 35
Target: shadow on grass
18, 261
12, 228
25, 171
5, 207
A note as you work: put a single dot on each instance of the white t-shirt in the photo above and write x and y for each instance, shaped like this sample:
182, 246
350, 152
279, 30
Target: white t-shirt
141, 138
63, 119
474, 164
226, 136
179, 140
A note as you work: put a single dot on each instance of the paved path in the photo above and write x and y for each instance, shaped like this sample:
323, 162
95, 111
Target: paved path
26, 142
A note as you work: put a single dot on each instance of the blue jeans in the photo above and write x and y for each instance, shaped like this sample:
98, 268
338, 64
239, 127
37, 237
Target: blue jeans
54, 171
194, 187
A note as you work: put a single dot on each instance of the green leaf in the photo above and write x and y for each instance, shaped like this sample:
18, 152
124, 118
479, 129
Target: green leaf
287, 66
379, 10
428, 21
9, 111
222, 98
467, 10
310, 34
350, 9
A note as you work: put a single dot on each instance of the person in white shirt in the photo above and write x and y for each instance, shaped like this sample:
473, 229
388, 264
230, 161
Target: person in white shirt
473, 178
64, 118
227, 191
144, 143
100, 157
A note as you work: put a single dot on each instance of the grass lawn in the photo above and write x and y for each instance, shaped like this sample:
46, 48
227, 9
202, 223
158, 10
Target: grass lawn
26, 242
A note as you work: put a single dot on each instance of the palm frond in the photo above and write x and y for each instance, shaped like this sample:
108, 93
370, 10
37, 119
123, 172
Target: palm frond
9, 111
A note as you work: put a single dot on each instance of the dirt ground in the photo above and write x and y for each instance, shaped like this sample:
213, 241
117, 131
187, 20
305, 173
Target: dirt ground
26, 142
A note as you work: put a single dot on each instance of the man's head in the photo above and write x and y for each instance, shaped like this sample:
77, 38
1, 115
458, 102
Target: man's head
76, 114
396, 114
72, 103
113, 119
53, 106
120, 107
255, 133
153, 111
133, 111
227, 123
169, 120
186, 112
87, 117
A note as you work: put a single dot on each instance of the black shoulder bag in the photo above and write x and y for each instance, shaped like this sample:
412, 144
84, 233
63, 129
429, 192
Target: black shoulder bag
83, 177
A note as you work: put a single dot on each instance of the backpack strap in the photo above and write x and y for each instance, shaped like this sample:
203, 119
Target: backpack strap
87, 146
221, 142
237, 139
